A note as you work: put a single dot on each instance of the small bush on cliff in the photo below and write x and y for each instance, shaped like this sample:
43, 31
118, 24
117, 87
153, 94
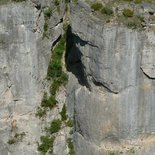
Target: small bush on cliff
69, 123
107, 10
55, 126
41, 112
128, 0
18, 137
56, 2
96, 6
48, 102
128, 13
46, 144
18, 0
47, 12
70, 146
63, 113
138, 1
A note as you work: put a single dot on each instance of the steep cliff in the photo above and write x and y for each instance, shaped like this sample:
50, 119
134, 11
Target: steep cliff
110, 62
114, 94
28, 32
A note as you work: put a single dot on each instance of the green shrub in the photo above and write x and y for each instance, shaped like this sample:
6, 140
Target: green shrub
55, 126
41, 112
69, 123
18, 0
132, 24
128, 0
138, 1
45, 27
11, 141
70, 146
128, 13
56, 2
47, 13
63, 113
46, 144
141, 18
107, 10
96, 6
48, 102
55, 68
111, 153
20, 136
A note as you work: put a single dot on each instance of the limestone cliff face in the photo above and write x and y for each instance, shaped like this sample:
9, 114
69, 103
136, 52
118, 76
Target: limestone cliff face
24, 59
114, 95
110, 93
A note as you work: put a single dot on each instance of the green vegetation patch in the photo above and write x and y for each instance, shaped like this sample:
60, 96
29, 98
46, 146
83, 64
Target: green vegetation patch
128, 13
46, 144
48, 101
96, 6
107, 10
134, 22
69, 123
70, 146
63, 113
18, 137
55, 126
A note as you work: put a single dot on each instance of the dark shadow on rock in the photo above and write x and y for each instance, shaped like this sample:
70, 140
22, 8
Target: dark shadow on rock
73, 57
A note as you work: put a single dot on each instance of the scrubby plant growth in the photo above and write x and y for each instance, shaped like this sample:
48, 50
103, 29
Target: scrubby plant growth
55, 126
57, 75
59, 78
128, 13
46, 144
138, 1
70, 146
56, 2
96, 6
107, 10
18, 137
63, 113
129, 17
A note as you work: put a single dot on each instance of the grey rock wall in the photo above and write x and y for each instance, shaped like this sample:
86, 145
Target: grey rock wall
24, 59
115, 113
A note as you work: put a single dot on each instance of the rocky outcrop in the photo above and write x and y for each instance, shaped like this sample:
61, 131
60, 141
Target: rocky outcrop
111, 68
24, 59
114, 106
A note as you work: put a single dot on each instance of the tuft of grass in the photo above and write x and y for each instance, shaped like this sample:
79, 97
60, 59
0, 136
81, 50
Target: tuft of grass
56, 2
18, 137
41, 112
46, 144
63, 113
48, 102
69, 123
55, 126
138, 1
11, 141
47, 13
107, 10
70, 146
96, 6
128, 13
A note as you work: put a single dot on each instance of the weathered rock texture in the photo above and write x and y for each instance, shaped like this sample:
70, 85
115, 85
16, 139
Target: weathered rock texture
114, 98
24, 59
111, 88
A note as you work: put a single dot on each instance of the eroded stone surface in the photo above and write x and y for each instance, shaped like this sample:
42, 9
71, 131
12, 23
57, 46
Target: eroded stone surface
24, 59
119, 105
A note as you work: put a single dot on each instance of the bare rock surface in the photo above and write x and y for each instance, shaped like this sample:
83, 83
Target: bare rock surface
114, 100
